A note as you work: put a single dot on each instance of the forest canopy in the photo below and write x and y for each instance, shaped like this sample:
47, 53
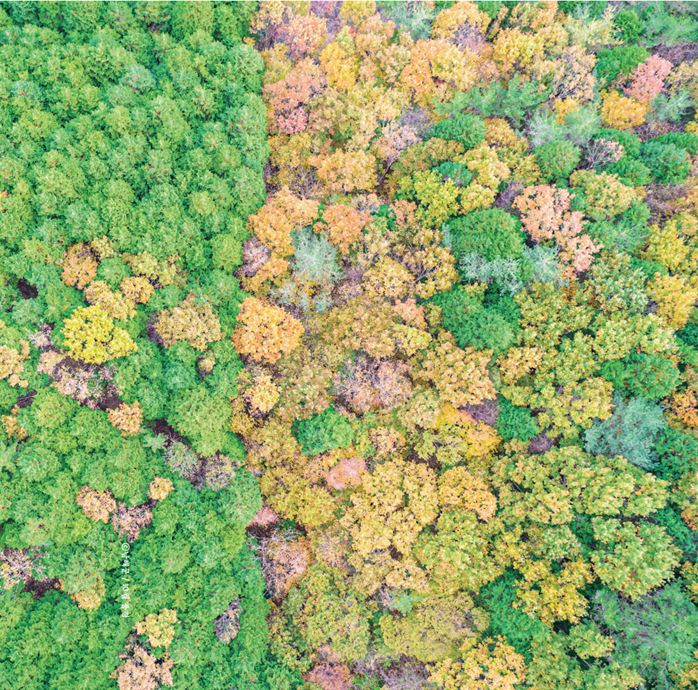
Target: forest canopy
349, 345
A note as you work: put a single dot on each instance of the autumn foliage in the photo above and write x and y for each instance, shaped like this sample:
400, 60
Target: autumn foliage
349, 345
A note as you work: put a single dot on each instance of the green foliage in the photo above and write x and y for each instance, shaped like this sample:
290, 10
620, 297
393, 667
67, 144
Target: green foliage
647, 376
203, 417
649, 268
463, 128
628, 25
656, 636
139, 127
619, 61
683, 140
689, 335
541, 262
633, 559
579, 7
630, 171
322, 611
490, 7
515, 422
618, 283
581, 125
416, 19
668, 24
323, 432
505, 305
684, 537
556, 663
112, 271
668, 163
518, 628
134, 148
471, 324
638, 213
677, 453
557, 160
631, 431
672, 107
504, 274
512, 101
493, 233
457, 172
620, 235
588, 641
89, 642
226, 248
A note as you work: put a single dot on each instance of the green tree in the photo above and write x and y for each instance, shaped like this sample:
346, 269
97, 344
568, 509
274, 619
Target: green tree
322, 432
655, 636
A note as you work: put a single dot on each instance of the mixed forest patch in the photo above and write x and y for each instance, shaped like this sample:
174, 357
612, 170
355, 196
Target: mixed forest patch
132, 152
349, 345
